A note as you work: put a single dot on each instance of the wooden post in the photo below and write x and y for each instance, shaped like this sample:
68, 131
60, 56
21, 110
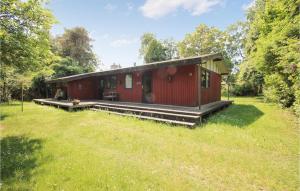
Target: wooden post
22, 97
46, 90
227, 90
199, 85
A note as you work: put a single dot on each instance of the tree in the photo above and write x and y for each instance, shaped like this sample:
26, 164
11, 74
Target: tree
235, 42
24, 37
272, 48
76, 44
66, 67
152, 49
155, 52
171, 49
205, 40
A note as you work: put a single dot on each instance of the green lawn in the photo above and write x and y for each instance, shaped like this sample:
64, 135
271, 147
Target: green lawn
249, 146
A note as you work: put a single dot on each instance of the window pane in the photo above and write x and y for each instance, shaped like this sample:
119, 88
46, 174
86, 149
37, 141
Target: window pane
203, 79
128, 81
102, 84
113, 82
207, 79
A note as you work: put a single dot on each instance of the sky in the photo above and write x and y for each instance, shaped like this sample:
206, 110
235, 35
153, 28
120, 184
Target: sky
116, 26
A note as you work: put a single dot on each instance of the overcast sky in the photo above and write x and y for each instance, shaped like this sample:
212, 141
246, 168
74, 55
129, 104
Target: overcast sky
116, 26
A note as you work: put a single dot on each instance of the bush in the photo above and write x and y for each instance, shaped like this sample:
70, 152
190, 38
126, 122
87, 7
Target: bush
296, 105
276, 90
39, 88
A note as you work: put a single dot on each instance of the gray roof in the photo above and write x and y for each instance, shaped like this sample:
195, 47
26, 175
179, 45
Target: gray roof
153, 65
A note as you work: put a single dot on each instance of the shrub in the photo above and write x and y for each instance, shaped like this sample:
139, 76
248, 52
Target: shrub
276, 90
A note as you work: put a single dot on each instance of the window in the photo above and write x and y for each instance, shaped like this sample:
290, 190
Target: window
102, 83
128, 81
111, 82
205, 81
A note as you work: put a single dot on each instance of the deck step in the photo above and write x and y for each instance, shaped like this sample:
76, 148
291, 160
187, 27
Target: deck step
151, 108
149, 118
148, 112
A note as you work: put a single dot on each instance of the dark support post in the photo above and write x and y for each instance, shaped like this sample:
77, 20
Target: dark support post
46, 90
228, 90
199, 85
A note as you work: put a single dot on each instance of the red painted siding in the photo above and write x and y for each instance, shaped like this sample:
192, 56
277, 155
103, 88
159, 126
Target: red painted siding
170, 85
83, 89
133, 94
213, 93
180, 90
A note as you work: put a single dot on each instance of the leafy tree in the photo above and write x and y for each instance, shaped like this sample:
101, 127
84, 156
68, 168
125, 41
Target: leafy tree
205, 40
39, 87
66, 67
76, 44
272, 47
155, 52
171, 49
152, 49
24, 38
235, 42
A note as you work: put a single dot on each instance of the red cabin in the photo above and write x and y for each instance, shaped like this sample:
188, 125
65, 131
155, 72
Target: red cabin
192, 81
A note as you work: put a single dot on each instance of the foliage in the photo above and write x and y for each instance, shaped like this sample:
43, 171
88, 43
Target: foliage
154, 50
231, 151
249, 76
244, 89
278, 91
296, 105
66, 67
272, 48
39, 87
76, 44
171, 49
204, 40
235, 42
24, 38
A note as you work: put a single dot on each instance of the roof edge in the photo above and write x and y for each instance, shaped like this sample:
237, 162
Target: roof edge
176, 62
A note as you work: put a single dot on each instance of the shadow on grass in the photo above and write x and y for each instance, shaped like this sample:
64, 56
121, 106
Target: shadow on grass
3, 116
18, 158
238, 115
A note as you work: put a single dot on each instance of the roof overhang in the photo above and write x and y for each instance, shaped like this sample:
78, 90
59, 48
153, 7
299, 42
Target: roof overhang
218, 58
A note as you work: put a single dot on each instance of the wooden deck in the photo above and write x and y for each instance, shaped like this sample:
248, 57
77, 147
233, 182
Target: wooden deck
180, 115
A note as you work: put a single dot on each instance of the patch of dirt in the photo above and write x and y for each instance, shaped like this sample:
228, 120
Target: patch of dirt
1, 127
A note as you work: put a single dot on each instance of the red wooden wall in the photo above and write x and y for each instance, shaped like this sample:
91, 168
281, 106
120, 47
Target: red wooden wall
181, 89
213, 93
170, 85
86, 88
133, 94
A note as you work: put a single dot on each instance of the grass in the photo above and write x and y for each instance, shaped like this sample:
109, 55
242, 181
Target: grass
248, 146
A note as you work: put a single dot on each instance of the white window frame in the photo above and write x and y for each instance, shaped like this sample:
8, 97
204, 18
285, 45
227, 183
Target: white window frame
128, 81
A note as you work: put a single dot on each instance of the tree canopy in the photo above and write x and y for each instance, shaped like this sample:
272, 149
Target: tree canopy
272, 48
154, 50
24, 37
204, 40
76, 44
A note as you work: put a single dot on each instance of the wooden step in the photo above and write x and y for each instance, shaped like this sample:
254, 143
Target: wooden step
149, 118
149, 112
151, 108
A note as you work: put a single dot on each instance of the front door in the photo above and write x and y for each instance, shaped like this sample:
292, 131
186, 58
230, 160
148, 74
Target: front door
101, 88
147, 87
